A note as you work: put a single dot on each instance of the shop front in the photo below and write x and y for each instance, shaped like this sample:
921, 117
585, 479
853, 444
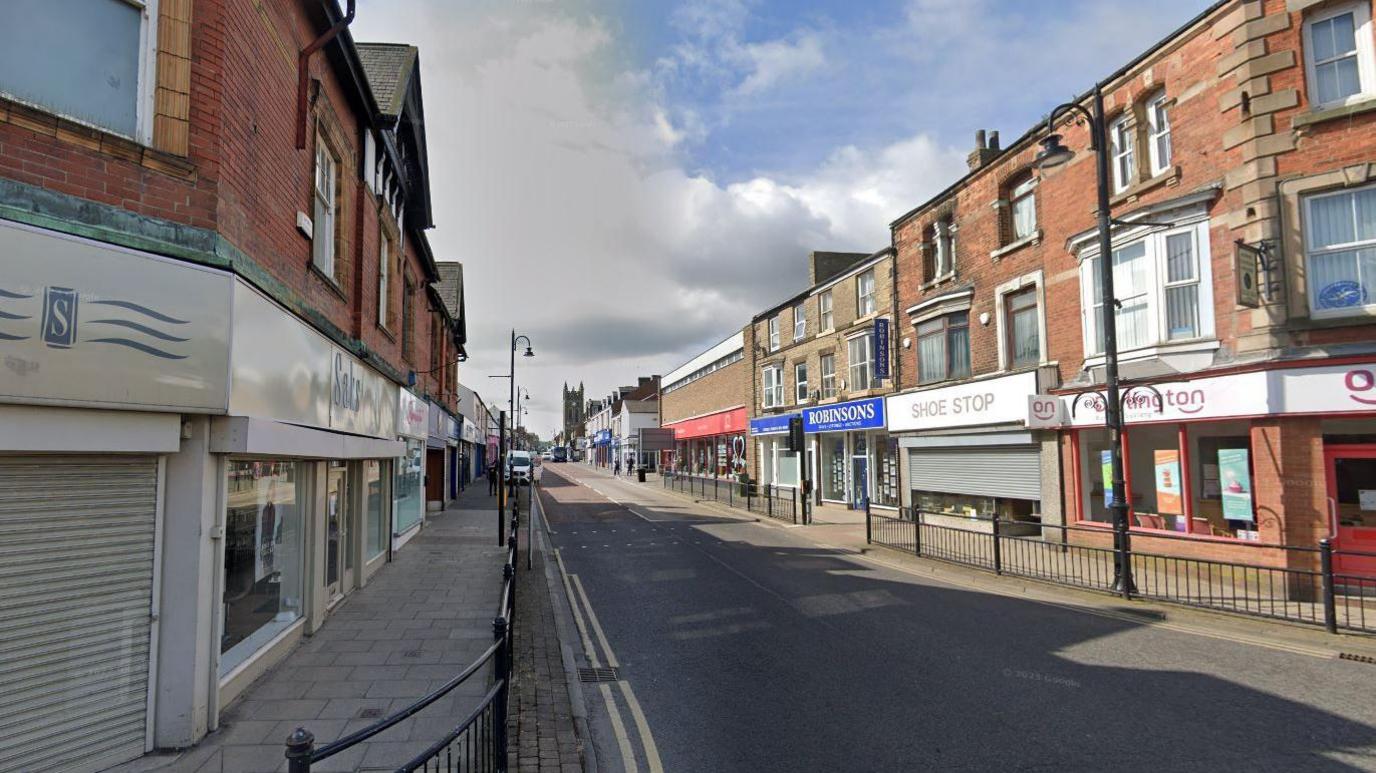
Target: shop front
437, 453
851, 454
1278, 456
710, 445
413, 427
602, 448
105, 352
968, 452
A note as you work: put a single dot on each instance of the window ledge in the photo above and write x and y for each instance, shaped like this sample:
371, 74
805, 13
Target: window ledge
1156, 350
386, 333
943, 279
1363, 316
1169, 177
862, 320
1033, 238
829, 331
328, 280
1321, 114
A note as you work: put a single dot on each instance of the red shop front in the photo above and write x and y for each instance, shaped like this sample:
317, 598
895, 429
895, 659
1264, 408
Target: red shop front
1281, 456
712, 444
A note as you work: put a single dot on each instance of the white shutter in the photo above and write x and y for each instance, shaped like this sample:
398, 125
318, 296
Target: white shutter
76, 585
1013, 472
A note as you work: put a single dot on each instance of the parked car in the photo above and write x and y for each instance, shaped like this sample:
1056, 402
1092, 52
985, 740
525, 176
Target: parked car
519, 467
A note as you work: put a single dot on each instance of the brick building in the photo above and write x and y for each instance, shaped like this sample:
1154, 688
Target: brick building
223, 350
1244, 189
824, 354
706, 402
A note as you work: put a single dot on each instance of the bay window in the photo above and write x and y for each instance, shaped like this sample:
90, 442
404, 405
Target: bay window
1338, 54
859, 349
1121, 149
828, 362
1340, 249
943, 348
1163, 290
772, 380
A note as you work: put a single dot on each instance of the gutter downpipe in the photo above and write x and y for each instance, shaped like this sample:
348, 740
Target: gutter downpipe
303, 71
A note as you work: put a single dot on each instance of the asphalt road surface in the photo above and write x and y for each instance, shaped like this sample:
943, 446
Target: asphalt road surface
746, 647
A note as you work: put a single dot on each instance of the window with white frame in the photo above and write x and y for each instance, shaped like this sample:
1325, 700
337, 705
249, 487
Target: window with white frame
1023, 328
1158, 133
864, 294
799, 322
1023, 203
774, 333
326, 208
944, 259
1163, 288
858, 350
89, 60
943, 348
383, 270
1338, 54
800, 382
1340, 248
772, 379
824, 308
1121, 150
828, 363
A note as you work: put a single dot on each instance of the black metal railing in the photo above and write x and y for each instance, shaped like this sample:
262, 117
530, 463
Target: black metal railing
779, 502
477, 743
1282, 582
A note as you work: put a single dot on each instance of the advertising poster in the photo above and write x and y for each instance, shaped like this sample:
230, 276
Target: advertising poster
1168, 481
1236, 482
1106, 464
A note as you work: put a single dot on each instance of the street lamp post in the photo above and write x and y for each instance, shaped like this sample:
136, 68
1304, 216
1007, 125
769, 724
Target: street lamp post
1052, 154
511, 397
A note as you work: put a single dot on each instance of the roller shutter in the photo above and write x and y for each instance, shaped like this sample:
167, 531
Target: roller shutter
1013, 472
76, 585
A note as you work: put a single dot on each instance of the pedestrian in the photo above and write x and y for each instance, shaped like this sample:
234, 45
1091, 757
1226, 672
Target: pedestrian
492, 480
616, 467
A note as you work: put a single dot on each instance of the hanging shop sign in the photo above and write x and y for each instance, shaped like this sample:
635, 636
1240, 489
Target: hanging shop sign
859, 414
89, 324
602, 437
1001, 400
413, 415
881, 348
1326, 389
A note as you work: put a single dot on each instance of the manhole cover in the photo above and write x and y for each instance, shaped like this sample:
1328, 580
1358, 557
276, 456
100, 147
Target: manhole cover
373, 713
599, 674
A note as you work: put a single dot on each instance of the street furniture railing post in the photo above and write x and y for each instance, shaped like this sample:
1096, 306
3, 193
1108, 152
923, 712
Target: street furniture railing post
503, 672
998, 556
1330, 608
869, 525
300, 746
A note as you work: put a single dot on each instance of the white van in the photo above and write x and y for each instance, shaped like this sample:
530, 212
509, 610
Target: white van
519, 466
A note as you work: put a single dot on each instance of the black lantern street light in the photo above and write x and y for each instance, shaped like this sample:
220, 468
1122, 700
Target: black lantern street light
1053, 154
511, 398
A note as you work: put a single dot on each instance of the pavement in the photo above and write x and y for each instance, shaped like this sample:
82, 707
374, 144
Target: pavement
743, 644
419, 621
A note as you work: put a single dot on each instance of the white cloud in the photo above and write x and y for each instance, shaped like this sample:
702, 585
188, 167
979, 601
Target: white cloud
775, 61
557, 180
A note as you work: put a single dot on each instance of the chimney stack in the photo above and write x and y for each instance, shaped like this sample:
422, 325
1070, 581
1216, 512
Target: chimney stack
986, 148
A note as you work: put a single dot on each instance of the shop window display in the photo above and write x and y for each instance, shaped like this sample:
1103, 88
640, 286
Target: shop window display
833, 467
975, 506
410, 494
886, 485
263, 542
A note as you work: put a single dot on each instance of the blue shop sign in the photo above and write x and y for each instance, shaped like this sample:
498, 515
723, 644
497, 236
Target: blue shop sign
881, 348
859, 414
603, 437
771, 425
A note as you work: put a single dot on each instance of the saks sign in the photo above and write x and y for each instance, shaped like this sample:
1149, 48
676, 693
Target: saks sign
1325, 389
992, 401
413, 415
83, 323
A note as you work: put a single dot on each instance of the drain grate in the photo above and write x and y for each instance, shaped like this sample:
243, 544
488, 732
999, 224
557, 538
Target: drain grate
599, 674
372, 713
1357, 658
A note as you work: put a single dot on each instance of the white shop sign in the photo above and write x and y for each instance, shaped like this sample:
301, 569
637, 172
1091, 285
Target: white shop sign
282, 369
1000, 400
90, 324
413, 415
1325, 389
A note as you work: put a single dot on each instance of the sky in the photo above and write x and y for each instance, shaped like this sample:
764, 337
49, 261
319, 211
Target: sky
628, 181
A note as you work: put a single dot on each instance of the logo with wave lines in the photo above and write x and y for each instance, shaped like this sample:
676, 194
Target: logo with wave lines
61, 313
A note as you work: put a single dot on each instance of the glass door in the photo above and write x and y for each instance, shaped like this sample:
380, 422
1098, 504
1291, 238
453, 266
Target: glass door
1352, 507
337, 555
860, 472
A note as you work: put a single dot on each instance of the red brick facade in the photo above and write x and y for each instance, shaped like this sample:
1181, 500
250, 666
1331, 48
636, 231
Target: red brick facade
238, 174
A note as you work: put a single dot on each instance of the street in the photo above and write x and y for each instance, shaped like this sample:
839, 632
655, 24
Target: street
748, 647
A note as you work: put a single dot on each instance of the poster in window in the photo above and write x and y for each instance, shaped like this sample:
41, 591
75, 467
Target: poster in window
1236, 482
268, 538
1106, 465
1168, 481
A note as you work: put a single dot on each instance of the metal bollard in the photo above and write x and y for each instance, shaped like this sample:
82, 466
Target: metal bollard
998, 558
300, 747
869, 526
1330, 607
